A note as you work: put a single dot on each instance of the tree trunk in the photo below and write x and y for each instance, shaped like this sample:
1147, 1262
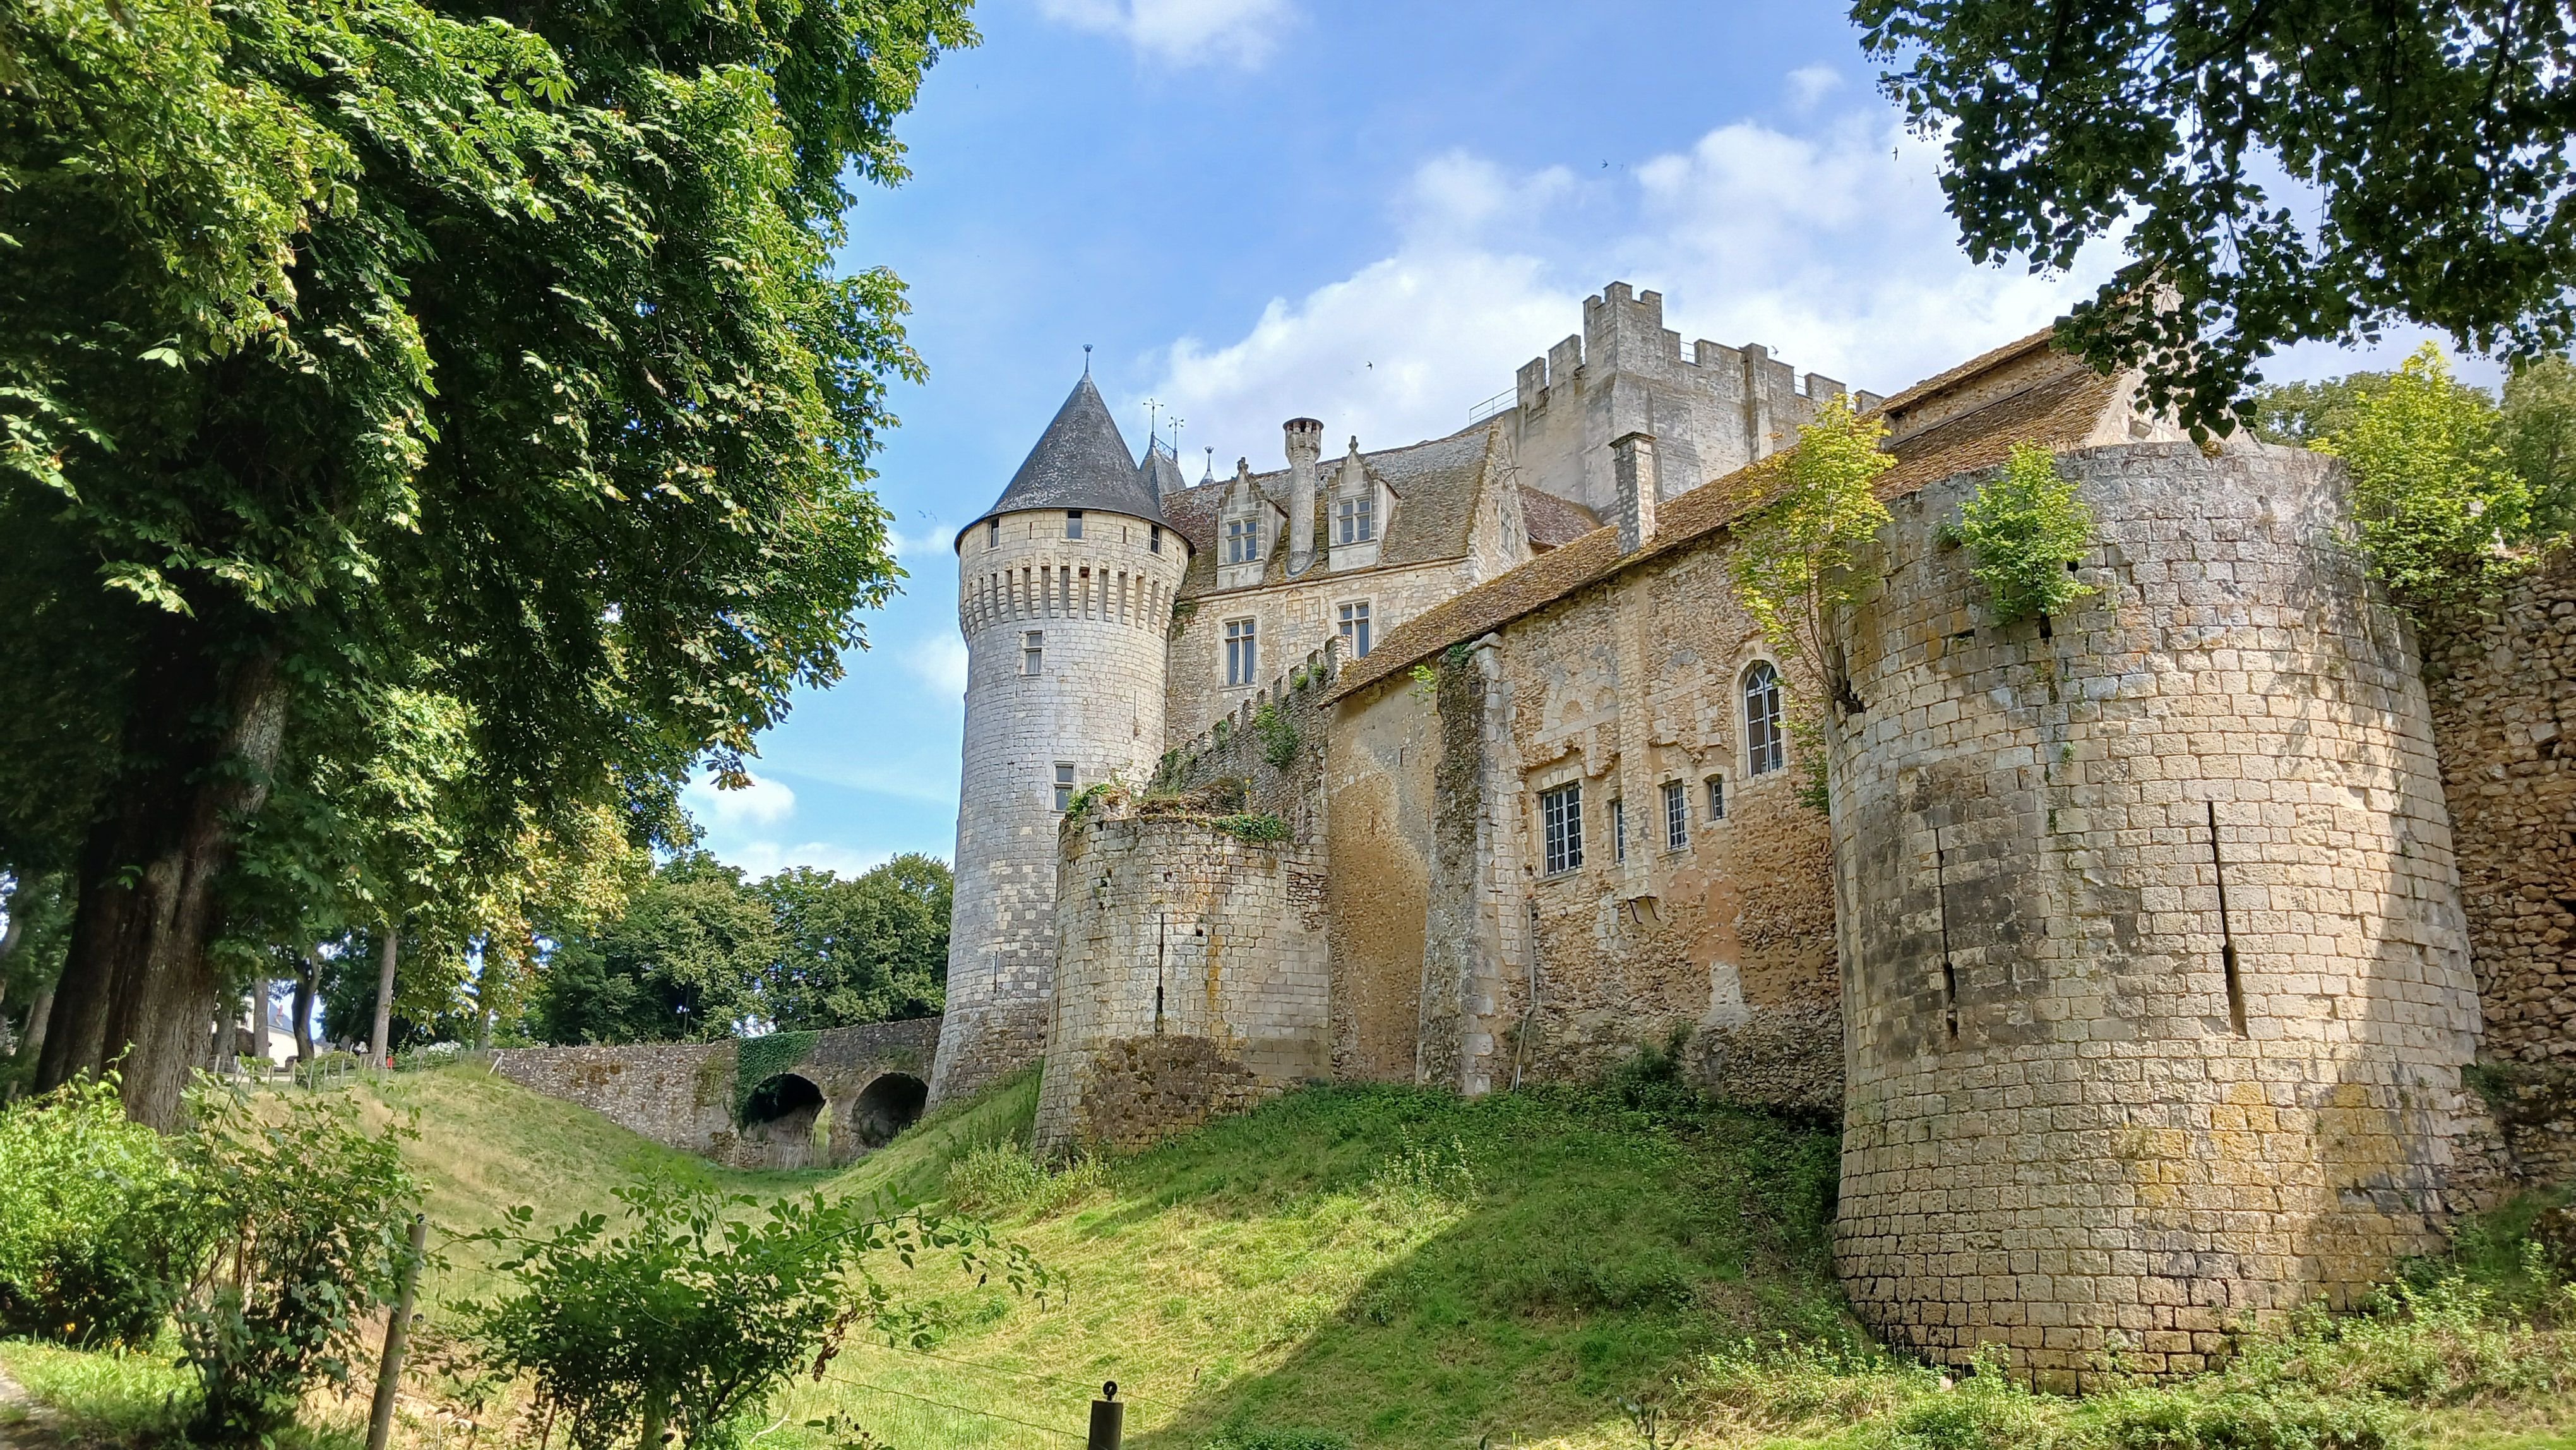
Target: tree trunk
259, 1021
385, 1001
307, 980
38, 1017
200, 740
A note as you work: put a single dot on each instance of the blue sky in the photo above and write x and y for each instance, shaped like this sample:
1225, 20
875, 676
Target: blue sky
1368, 213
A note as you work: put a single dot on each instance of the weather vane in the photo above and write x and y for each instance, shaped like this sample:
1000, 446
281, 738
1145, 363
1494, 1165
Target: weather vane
1086, 359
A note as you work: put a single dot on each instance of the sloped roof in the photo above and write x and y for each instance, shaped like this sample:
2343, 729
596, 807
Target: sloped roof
2063, 408
1551, 521
1081, 462
1160, 475
1434, 483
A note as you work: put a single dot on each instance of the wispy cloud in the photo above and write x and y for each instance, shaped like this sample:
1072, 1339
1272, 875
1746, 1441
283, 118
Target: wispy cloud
1184, 32
1809, 84
765, 802
939, 663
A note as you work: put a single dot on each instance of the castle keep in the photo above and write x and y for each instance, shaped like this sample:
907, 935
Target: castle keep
2133, 953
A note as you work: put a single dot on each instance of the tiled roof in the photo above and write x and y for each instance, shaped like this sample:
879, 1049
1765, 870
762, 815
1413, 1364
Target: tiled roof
2062, 408
1551, 521
1434, 483
1081, 462
1160, 474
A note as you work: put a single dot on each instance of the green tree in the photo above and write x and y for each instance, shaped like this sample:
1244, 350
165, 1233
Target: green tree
2435, 498
2024, 528
1807, 510
873, 949
2538, 431
683, 962
489, 351
2277, 170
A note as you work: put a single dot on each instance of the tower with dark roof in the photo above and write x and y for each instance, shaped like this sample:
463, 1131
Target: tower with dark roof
1065, 589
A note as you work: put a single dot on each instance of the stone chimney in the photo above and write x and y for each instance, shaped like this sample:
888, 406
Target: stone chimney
1632, 461
1305, 445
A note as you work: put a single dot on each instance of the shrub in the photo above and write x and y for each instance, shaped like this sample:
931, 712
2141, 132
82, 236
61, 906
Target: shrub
2434, 496
1260, 828
1279, 738
306, 1220
696, 1314
997, 1178
2025, 527
1239, 1437
94, 1232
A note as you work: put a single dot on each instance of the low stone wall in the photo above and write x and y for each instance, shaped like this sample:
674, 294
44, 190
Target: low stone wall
683, 1094
1191, 979
1787, 1058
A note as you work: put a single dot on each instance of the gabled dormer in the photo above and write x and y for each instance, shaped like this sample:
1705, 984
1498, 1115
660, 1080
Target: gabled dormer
1248, 528
1358, 508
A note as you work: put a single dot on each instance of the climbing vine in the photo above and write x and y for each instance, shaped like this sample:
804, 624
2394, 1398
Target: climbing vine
1278, 734
758, 1059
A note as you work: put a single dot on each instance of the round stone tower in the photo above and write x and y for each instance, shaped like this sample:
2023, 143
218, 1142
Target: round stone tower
1065, 589
2156, 986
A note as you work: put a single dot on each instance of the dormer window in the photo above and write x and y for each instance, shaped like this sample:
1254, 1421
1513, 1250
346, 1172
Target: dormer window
1243, 541
1355, 520
1073, 523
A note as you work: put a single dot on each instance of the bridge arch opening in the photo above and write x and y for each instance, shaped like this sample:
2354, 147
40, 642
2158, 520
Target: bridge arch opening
782, 1108
891, 1104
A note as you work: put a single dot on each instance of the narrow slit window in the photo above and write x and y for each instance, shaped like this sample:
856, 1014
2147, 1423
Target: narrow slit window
1561, 827
1154, 539
1033, 652
993, 533
1618, 829
1764, 748
1676, 815
1063, 786
1717, 797
1073, 523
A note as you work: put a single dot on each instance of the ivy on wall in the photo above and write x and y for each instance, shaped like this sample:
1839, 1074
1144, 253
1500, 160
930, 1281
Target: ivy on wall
758, 1059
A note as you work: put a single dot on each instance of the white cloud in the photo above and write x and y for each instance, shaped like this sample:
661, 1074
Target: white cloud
1809, 84
764, 802
1829, 245
768, 858
936, 540
939, 662
1183, 32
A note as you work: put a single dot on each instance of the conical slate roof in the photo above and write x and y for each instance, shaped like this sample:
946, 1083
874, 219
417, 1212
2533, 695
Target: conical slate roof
1161, 476
1080, 462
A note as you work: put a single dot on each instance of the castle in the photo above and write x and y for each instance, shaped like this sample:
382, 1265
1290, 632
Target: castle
2134, 953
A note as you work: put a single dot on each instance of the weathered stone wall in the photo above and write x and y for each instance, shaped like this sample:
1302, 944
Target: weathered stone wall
2502, 680
1102, 604
682, 1093
2157, 982
1724, 933
1191, 977
1290, 619
1379, 760
1237, 749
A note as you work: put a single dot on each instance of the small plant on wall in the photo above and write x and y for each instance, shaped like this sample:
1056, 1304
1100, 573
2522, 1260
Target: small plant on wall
1278, 734
2024, 528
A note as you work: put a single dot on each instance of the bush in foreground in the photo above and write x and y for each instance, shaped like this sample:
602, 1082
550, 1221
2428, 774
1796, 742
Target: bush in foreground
95, 1229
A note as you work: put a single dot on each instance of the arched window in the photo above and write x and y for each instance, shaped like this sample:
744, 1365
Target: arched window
1763, 750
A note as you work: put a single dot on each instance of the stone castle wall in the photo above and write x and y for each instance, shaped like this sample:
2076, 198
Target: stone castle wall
2502, 680
1101, 605
1191, 979
2157, 982
1290, 620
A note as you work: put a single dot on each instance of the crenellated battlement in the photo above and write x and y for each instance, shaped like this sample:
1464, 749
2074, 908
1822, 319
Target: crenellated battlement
1623, 331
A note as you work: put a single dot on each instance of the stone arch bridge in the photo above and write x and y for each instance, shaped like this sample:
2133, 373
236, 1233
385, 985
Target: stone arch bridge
818, 1098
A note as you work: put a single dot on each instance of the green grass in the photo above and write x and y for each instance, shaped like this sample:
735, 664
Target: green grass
1392, 1267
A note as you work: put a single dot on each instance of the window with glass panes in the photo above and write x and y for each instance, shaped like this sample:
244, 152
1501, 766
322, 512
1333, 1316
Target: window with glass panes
1032, 651
1241, 652
1063, 786
1717, 797
1676, 815
1355, 630
1242, 541
1618, 829
1764, 749
1356, 519
1560, 813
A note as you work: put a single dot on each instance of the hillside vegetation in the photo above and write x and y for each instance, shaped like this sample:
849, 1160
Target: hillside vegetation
1379, 1266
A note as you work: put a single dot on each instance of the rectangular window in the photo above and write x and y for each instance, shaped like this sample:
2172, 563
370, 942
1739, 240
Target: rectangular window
1154, 540
1242, 657
1073, 523
993, 534
1242, 541
1357, 519
1560, 813
1355, 630
1618, 829
1033, 652
1717, 797
1063, 786
1676, 815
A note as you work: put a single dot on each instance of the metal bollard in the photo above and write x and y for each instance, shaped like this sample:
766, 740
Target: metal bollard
380, 1422
1108, 1418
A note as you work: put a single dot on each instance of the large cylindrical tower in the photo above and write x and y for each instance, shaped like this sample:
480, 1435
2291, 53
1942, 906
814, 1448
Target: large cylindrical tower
2156, 986
1065, 590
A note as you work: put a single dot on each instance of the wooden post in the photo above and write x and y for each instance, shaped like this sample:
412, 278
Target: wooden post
1108, 1419
380, 1424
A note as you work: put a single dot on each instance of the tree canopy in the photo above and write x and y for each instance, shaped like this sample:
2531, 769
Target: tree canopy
378, 367
2278, 170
